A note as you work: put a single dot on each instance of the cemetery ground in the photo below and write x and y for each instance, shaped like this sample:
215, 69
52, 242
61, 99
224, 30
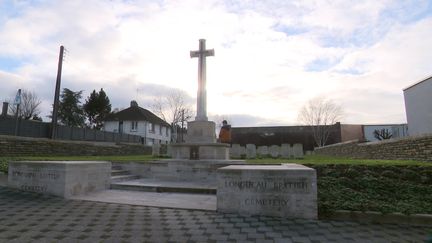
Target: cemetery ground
384, 186
348, 184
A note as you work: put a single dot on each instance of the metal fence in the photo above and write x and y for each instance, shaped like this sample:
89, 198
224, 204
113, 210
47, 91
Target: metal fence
36, 129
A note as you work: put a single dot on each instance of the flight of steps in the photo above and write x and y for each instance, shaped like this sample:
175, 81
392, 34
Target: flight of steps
123, 180
119, 175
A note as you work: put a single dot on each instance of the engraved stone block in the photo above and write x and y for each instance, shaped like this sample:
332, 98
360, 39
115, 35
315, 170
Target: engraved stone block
60, 178
287, 190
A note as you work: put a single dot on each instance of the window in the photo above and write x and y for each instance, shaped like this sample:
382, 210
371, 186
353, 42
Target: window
152, 127
166, 131
134, 126
160, 129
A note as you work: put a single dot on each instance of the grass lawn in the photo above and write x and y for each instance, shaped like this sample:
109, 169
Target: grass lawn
308, 159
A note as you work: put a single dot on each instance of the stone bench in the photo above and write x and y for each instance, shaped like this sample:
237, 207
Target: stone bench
287, 190
60, 178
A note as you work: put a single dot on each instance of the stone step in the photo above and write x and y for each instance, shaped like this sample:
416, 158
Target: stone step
117, 167
119, 172
156, 185
120, 178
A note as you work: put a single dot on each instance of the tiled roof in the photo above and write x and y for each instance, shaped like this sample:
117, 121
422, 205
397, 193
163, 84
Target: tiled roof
136, 113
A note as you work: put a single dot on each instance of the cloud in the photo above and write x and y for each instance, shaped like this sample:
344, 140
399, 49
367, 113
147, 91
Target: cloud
271, 56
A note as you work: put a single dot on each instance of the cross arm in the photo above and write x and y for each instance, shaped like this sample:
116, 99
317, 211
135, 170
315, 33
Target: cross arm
194, 54
206, 53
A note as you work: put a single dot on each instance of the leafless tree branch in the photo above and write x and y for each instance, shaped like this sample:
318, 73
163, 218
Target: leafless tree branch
320, 113
29, 106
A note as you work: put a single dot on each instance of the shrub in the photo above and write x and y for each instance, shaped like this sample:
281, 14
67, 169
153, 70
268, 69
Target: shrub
410, 175
3, 165
390, 174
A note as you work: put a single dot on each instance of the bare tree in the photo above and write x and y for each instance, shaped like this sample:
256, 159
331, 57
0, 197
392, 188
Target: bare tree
382, 134
29, 107
173, 108
320, 113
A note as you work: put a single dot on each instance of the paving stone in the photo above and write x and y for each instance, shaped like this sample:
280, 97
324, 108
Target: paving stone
25, 217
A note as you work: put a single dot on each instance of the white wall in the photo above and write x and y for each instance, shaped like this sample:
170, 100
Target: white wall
111, 126
163, 137
397, 130
418, 106
143, 130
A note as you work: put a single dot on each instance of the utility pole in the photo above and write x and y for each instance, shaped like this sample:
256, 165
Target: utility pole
17, 103
182, 123
57, 94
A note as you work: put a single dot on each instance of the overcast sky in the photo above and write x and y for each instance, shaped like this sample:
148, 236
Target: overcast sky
271, 57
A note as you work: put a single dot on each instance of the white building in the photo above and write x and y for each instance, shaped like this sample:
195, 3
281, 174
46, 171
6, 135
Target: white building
395, 130
139, 121
418, 106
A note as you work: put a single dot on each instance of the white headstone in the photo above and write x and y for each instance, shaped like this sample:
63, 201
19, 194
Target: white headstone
242, 152
274, 151
250, 151
156, 149
262, 151
298, 150
235, 151
286, 151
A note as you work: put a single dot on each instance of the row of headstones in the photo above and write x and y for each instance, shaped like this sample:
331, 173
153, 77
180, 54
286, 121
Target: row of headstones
251, 151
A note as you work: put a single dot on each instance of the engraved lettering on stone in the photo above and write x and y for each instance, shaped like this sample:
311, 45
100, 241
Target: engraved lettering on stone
270, 202
51, 175
34, 188
300, 185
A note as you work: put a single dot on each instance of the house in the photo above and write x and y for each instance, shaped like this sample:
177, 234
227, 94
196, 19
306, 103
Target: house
418, 106
139, 121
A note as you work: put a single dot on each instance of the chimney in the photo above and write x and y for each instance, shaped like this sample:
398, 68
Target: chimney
5, 108
133, 103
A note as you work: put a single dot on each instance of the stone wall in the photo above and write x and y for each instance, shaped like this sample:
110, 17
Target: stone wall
409, 148
23, 146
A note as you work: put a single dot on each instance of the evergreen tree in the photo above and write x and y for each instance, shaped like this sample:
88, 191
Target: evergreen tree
96, 108
70, 111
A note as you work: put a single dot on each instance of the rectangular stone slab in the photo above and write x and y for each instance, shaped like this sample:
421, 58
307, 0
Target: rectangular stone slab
60, 178
287, 190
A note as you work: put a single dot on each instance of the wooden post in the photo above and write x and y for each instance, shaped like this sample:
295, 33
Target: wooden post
57, 94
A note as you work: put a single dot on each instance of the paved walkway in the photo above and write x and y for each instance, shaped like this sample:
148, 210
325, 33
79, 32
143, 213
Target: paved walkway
28, 217
154, 199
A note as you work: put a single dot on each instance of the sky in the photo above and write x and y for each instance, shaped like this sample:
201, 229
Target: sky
271, 56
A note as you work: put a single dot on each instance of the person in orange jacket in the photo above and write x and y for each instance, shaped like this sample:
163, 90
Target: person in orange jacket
225, 133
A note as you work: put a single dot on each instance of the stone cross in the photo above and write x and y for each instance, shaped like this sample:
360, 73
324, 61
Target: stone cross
202, 53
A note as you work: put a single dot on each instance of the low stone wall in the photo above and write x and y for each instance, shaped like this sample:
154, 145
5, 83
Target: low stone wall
21, 146
60, 178
287, 190
409, 148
